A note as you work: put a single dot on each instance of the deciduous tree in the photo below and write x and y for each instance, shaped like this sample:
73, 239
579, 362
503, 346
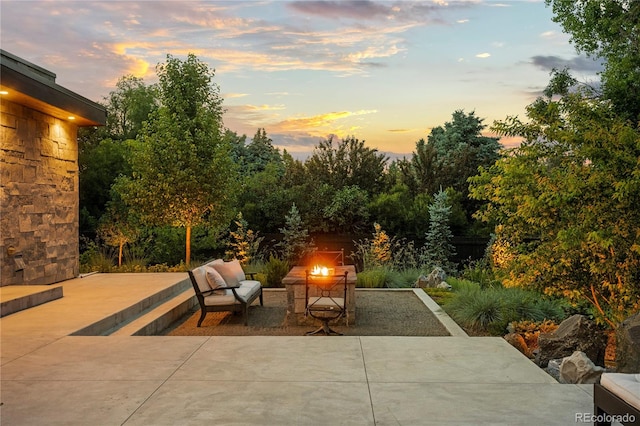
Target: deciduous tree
566, 202
609, 30
183, 174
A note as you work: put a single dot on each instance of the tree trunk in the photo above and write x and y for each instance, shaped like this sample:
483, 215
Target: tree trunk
120, 254
188, 244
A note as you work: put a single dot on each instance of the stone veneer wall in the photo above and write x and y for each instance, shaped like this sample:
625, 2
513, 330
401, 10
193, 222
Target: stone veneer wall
38, 196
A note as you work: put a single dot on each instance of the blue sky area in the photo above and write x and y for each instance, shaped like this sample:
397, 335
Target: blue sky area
383, 71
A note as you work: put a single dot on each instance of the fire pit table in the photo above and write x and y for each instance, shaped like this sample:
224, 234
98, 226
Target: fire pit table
295, 284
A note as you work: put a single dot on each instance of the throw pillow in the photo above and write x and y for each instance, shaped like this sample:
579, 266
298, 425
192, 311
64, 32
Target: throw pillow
231, 272
214, 278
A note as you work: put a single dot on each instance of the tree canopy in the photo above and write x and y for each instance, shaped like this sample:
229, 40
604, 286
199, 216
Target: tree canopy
183, 174
609, 30
566, 203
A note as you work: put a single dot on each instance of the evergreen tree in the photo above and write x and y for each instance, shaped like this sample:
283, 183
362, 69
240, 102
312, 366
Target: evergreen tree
438, 248
295, 241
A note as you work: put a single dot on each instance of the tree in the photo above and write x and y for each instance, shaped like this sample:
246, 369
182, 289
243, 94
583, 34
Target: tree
243, 242
461, 149
420, 173
99, 166
183, 174
438, 248
401, 213
118, 226
129, 106
348, 209
295, 237
565, 203
451, 154
609, 30
263, 200
347, 164
261, 152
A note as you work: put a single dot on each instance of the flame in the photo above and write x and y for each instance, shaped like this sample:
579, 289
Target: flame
320, 270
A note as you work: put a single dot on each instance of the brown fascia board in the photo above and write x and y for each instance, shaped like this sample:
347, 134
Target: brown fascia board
37, 89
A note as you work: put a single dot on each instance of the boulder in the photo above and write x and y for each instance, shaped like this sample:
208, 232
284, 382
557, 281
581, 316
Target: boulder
553, 368
421, 282
578, 368
576, 333
445, 285
436, 277
628, 345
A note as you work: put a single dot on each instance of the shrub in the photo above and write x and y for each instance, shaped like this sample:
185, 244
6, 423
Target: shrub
275, 270
373, 278
476, 309
96, 259
404, 278
530, 331
481, 273
461, 285
492, 309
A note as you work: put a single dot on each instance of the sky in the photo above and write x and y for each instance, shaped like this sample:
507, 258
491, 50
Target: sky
385, 72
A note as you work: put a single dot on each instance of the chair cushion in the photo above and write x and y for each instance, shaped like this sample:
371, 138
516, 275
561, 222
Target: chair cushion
214, 278
625, 386
326, 303
231, 272
247, 290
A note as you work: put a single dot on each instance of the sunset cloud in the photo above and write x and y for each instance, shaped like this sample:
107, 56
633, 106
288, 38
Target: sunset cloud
317, 121
235, 95
298, 68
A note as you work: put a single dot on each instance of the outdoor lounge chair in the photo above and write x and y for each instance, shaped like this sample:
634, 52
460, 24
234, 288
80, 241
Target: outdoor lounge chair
223, 286
617, 398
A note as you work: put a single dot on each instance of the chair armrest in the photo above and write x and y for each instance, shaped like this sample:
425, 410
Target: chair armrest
208, 292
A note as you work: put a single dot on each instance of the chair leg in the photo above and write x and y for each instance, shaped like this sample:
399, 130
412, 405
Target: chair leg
202, 315
261, 302
324, 328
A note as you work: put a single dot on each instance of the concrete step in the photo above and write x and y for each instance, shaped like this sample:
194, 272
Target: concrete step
153, 322
15, 298
112, 323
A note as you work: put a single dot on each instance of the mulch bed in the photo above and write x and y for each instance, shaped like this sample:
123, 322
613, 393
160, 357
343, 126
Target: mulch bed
378, 313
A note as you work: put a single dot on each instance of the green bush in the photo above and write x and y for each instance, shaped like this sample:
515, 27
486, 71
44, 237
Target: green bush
275, 270
480, 273
460, 285
373, 278
476, 309
96, 259
404, 278
493, 308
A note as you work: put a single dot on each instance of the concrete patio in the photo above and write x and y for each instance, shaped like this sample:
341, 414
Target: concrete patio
49, 376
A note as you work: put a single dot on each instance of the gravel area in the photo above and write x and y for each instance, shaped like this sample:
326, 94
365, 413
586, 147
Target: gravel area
378, 313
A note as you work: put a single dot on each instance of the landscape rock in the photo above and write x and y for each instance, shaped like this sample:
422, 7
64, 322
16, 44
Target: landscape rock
436, 277
579, 369
553, 368
421, 282
628, 345
444, 285
576, 333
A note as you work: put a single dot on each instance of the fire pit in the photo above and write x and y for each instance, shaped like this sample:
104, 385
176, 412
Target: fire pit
296, 295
